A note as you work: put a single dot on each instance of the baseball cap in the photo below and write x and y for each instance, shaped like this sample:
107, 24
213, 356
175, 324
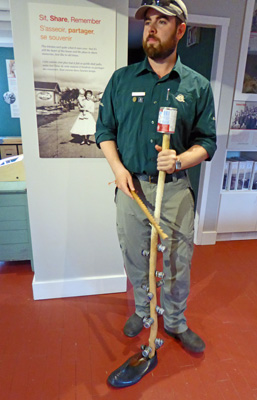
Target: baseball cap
174, 8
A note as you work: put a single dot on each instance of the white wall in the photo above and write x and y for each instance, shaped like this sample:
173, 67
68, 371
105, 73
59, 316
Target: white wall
71, 208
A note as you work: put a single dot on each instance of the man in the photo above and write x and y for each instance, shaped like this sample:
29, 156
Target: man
127, 134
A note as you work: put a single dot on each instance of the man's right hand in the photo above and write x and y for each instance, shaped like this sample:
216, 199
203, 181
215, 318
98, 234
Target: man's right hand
124, 181
123, 177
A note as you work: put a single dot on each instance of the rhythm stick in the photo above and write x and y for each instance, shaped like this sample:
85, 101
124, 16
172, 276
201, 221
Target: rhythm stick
166, 125
137, 366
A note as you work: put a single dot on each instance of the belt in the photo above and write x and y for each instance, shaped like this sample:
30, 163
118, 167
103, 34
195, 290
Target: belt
154, 178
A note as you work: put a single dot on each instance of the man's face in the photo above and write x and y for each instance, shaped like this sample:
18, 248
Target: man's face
160, 37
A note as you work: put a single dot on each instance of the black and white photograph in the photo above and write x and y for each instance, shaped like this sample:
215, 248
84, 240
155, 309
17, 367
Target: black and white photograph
244, 115
66, 120
243, 126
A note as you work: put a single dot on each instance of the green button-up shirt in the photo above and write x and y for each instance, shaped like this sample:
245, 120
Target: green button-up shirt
128, 113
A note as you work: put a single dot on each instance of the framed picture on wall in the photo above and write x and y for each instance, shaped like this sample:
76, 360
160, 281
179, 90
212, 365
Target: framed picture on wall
193, 35
243, 125
246, 87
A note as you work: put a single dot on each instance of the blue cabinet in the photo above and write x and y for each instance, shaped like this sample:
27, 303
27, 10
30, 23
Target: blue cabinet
15, 239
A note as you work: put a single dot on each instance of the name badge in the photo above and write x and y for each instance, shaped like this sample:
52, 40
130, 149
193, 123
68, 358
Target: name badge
138, 94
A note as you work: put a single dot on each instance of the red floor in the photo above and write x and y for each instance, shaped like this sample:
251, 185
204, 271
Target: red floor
65, 349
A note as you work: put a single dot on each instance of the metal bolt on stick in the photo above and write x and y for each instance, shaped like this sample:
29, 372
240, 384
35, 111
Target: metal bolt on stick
160, 283
160, 274
150, 296
159, 310
147, 322
161, 248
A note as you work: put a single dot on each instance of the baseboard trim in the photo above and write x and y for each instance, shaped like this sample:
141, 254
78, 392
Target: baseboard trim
206, 238
236, 236
43, 290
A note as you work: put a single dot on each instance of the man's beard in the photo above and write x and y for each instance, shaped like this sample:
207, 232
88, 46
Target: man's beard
159, 51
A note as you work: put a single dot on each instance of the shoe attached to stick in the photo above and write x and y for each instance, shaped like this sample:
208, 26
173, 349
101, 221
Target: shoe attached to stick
133, 326
189, 340
132, 370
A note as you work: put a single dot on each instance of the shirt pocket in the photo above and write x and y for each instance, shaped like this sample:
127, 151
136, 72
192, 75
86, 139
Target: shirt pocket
185, 104
129, 106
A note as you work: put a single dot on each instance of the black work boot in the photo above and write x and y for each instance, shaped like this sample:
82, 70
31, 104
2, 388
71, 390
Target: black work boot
133, 326
189, 340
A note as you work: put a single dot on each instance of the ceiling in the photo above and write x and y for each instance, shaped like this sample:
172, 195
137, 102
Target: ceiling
5, 24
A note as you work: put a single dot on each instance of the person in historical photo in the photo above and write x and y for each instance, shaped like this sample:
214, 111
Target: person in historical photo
11, 69
127, 134
85, 124
244, 116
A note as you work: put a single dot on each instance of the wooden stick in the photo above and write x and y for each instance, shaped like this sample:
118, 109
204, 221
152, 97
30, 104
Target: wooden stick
153, 251
149, 215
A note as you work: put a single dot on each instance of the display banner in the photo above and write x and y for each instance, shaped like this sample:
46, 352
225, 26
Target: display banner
73, 50
11, 97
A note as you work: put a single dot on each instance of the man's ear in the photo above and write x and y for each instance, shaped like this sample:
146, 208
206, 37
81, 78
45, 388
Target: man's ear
181, 29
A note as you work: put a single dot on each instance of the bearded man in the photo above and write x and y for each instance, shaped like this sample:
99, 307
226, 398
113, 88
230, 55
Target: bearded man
127, 134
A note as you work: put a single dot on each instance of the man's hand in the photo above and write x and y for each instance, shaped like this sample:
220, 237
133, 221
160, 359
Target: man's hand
124, 180
166, 160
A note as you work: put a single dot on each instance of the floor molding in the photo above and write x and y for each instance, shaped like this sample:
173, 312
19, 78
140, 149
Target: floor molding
79, 287
236, 236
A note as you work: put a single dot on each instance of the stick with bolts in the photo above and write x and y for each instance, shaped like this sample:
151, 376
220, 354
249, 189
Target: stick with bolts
166, 125
141, 363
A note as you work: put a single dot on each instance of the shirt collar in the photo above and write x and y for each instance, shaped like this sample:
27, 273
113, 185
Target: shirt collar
144, 66
178, 67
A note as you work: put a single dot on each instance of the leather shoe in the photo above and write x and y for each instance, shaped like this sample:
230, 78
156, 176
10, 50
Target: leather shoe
132, 370
189, 340
133, 326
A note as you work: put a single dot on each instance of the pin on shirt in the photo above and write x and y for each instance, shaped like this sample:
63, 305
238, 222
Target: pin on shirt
138, 97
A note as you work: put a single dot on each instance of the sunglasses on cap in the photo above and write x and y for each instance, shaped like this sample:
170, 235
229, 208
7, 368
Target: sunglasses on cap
161, 3
155, 3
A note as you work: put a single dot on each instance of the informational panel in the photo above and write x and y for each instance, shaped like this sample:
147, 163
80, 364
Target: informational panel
71, 208
72, 64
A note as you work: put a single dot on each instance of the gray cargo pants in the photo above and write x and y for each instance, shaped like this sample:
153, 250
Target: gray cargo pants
134, 233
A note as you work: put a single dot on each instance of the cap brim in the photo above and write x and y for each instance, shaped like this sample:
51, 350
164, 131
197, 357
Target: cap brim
140, 13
